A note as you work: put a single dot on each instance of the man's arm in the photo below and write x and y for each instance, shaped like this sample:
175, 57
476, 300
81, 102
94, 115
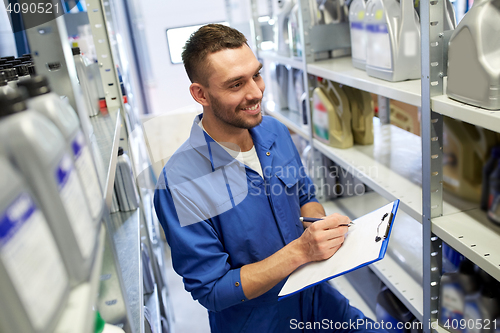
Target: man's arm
318, 242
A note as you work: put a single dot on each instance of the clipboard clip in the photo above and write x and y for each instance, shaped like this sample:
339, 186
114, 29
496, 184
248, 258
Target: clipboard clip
378, 238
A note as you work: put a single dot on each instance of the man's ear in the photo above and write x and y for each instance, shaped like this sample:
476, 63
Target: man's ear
199, 93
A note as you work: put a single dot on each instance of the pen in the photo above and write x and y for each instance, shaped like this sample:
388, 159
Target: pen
313, 219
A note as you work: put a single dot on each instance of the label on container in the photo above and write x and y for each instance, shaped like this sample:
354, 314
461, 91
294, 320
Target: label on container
76, 207
410, 40
85, 167
358, 40
32, 260
473, 318
452, 305
320, 118
378, 50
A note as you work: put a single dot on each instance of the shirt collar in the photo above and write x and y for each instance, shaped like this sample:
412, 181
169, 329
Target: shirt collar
205, 145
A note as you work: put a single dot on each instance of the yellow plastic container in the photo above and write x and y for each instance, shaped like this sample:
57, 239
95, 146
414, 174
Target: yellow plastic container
465, 150
332, 115
362, 113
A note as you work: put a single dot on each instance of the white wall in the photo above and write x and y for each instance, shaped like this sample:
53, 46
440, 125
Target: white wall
169, 91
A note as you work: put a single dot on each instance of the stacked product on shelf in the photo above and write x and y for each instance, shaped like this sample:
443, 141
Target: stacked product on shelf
357, 12
455, 286
484, 305
38, 149
490, 198
329, 32
331, 115
362, 115
282, 10
87, 81
65, 118
473, 53
469, 300
341, 115
4, 87
281, 80
296, 48
393, 40
33, 280
466, 149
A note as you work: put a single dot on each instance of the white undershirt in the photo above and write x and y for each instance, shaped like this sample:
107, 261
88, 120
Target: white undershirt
249, 158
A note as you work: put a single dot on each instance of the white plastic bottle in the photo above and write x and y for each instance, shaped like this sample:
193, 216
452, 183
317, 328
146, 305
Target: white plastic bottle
4, 87
65, 118
33, 280
358, 33
37, 148
89, 91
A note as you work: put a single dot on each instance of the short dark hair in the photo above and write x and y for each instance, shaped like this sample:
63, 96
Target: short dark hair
208, 39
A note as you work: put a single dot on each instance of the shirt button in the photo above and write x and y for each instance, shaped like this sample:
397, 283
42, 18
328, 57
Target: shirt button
268, 153
242, 300
237, 284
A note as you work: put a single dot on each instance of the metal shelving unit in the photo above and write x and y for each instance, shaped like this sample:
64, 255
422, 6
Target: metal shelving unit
274, 57
410, 167
464, 112
115, 286
342, 71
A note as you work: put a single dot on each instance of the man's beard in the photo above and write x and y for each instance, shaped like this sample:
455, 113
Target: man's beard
233, 117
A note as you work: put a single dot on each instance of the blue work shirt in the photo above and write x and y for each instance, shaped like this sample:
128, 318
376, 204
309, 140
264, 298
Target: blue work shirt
219, 215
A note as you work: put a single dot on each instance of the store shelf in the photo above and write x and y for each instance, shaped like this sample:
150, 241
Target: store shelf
79, 313
342, 71
107, 136
124, 229
391, 166
473, 235
274, 57
290, 119
341, 283
388, 270
468, 113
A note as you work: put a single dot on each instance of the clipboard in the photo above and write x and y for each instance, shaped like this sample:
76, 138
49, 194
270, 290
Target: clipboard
365, 243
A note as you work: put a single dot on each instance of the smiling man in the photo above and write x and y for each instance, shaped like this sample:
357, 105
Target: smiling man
230, 199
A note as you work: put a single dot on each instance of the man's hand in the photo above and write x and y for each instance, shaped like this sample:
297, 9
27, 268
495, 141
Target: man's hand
323, 238
318, 242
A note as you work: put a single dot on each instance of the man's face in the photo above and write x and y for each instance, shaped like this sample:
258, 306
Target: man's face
235, 87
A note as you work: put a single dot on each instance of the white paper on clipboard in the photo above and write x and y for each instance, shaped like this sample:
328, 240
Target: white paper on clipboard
359, 249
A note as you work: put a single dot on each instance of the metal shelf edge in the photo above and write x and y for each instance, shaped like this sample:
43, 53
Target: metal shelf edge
473, 235
342, 71
285, 119
471, 114
272, 56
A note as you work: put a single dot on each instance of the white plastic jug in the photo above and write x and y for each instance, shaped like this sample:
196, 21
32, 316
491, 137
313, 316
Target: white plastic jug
393, 40
474, 57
